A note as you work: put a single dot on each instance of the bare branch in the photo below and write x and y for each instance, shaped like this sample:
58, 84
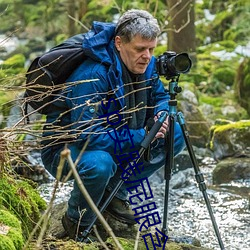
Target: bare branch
66, 154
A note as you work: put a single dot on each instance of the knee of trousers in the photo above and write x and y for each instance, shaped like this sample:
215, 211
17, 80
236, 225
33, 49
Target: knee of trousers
98, 165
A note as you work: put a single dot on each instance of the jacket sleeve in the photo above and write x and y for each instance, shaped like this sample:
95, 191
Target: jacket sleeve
88, 117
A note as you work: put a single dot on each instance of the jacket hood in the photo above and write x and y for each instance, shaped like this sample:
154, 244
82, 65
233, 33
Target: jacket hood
98, 43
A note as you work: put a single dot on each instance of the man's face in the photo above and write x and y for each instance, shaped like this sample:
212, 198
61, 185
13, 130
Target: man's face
137, 53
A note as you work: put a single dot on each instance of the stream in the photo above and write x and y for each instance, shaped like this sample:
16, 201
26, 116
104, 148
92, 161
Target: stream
187, 212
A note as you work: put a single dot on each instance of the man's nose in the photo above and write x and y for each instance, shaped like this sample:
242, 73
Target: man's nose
146, 54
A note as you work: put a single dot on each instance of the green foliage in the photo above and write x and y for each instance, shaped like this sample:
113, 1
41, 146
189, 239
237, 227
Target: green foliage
229, 23
242, 84
12, 67
214, 101
221, 23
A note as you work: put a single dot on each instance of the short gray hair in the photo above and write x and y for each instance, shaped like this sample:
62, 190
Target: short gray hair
137, 22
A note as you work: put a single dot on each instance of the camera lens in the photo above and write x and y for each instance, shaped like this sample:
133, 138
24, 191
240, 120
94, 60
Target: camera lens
182, 63
170, 64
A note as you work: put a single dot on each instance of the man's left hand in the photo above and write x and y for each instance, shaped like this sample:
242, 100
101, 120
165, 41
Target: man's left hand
164, 128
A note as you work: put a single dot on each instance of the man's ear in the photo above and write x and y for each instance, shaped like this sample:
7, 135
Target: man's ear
118, 42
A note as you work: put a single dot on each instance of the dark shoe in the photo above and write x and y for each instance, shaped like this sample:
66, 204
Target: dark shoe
121, 211
75, 231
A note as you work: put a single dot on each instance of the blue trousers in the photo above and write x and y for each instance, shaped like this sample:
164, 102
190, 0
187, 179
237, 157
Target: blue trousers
99, 171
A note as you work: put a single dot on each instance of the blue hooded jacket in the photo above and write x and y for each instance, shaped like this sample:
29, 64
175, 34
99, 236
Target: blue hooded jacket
87, 114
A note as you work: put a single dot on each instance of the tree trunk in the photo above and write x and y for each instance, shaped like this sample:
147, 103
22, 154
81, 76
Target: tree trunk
71, 6
181, 27
83, 7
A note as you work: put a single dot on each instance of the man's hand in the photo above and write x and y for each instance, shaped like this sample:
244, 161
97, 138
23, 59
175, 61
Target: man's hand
164, 128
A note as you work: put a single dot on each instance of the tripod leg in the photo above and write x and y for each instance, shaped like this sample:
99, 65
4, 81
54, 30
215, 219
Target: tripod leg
168, 170
199, 176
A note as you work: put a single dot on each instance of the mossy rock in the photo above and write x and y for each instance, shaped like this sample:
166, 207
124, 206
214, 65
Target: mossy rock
11, 237
225, 75
21, 199
219, 107
127, 244
232, 139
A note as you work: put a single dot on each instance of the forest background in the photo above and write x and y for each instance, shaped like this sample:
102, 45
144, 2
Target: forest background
214, 33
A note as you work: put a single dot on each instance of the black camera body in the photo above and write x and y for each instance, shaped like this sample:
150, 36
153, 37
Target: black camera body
171, 65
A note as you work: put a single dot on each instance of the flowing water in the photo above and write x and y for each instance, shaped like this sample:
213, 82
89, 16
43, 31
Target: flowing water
188, 214
187, 211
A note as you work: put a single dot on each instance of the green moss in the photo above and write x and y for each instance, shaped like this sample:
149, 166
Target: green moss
13, 71
126, 243
13, 239
16, 61
9, 219
235, 125
212, 100
173, 246
239, 128
225, 75
16, 237
21, 199
6, 243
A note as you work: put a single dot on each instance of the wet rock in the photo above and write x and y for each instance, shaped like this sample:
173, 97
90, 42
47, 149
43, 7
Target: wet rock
231, 169
181, 179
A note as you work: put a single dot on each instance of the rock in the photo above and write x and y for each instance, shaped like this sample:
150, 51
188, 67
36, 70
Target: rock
181, 179
188, 95
197, 125
126, 236
232, 139
231, 169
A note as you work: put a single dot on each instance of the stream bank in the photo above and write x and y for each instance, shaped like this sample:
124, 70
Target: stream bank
188, 216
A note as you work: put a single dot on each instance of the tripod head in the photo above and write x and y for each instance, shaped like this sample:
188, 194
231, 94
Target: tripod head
174, 89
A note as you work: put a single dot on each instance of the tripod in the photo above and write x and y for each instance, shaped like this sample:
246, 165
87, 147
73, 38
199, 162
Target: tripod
173, 90
169, 163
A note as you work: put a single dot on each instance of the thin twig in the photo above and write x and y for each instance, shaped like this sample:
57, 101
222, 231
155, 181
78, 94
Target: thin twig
137, 239
99, 238
45, 217
77, 21
66, 154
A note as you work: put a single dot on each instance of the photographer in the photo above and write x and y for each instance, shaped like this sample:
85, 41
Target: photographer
124, 89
